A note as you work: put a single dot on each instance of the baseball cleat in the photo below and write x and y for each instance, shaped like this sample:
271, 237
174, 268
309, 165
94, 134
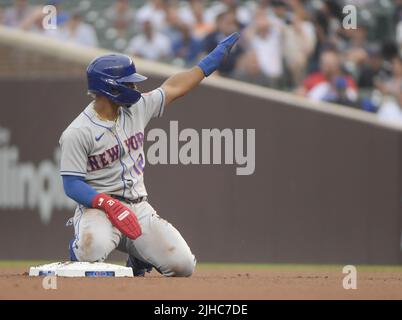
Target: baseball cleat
139, 267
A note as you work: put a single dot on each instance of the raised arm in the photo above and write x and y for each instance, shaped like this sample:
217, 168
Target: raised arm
181, 83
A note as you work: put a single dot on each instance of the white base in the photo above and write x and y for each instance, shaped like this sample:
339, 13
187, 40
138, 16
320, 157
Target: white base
81, 269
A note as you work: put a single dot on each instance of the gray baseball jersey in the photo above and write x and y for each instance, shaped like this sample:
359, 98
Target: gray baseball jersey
108, 154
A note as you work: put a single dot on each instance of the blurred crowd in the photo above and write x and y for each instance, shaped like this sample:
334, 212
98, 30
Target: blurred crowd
294, 45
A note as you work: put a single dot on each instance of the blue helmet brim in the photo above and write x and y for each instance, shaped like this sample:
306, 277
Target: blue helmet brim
132, 78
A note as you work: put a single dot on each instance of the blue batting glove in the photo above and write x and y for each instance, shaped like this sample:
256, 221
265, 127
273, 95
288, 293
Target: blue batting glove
213, 60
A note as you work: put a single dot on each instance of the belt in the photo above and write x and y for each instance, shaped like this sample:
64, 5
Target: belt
135, 201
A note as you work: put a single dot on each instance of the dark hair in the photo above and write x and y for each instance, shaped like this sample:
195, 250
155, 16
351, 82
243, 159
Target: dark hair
329, 46
278, 3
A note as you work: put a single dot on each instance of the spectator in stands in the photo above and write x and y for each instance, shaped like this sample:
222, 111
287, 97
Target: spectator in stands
328, 18
355, 50
78, 32
278, 12
282, 40
391, 109
226, 24
14, 16
187, 48
330, 83
121, 16
393, 85
172, 28
33, 22
397, 12
398, 24
153, 11
338, 93
248, 70
371, 69
242, 13
391, 106
328, 25
399, 35
193, 14
150, 44
299, 40
264, 39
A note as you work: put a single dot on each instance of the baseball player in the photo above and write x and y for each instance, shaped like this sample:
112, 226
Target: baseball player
102, 166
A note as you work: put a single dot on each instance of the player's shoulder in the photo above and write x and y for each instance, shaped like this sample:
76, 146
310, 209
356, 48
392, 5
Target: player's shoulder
75, 133
155, 95
146, 99
80, 127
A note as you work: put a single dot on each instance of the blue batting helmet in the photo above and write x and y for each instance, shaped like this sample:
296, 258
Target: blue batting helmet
110, 76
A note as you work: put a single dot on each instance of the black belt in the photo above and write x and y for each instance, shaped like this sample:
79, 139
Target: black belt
135, 201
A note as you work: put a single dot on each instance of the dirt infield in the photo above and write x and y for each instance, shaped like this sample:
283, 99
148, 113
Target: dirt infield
210, 283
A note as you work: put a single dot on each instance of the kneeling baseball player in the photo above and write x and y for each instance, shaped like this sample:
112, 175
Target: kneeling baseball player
102, 166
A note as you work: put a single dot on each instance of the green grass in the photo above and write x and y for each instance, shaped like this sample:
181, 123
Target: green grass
237, 266
21, 263
300, 267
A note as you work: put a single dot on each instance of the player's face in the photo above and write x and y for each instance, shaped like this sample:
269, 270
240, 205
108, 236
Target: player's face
131, 85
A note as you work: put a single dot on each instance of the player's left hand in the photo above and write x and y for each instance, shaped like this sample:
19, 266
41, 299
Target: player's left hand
213, 60
119, 215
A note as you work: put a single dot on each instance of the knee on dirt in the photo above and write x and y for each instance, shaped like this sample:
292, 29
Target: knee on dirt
182, 266
92, 248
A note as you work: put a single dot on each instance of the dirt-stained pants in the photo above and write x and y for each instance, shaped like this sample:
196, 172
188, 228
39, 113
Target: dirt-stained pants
160, 244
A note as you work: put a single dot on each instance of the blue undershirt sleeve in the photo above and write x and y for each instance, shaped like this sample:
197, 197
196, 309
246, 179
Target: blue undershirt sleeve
77, 189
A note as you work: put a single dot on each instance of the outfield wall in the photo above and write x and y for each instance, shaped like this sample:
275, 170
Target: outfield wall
326, 186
